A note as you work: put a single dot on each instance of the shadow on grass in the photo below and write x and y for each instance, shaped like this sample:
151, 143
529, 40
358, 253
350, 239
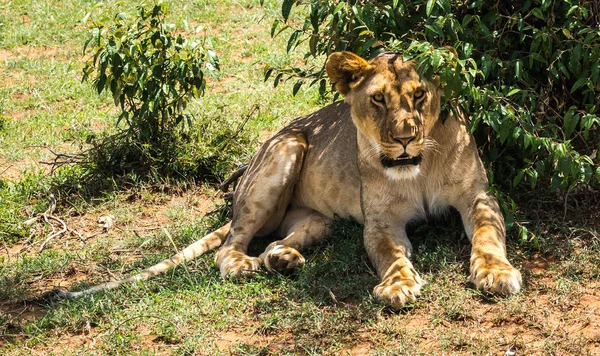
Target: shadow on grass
118, 166
338, 270
338, 279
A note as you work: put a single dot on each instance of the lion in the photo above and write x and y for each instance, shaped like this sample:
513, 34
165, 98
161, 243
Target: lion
382, 157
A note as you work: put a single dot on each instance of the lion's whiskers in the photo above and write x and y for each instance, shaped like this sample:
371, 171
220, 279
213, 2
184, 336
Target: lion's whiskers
431, 145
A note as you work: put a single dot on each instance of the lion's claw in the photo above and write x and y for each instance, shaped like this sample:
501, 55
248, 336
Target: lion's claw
282, 259
495, 277
399, 288
233, 264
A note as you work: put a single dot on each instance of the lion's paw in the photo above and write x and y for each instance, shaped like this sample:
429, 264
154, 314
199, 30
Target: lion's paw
234, 264
495, 276
399, 288
282, 259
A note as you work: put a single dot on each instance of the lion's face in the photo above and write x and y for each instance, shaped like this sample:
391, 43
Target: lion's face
391, 106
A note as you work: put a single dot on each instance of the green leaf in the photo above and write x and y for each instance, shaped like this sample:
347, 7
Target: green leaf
524, 234
537, 57
101, 82
571, 120
339, 7
297, 87
357, 11
518, 178
563, 69
486, 65
292, 42
435, 28
518, 69
537, 12
509, 220
274, 27
312, 45
513, 92
268, 73
578, 84
429, 7
468, 49
533, 177
436, 60
286, 8
277, 79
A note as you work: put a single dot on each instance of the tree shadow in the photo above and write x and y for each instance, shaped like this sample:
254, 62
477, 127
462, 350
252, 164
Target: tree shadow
339, 276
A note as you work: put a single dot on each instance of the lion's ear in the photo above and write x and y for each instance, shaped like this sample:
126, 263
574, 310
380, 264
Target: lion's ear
346, 70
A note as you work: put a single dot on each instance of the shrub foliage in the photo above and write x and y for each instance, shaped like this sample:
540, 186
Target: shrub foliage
527, 73
152, 73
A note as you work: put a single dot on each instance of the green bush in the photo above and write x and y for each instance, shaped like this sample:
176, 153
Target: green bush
527, 73
152, 73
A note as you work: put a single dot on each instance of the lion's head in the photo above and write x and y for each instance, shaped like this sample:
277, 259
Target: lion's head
391, 106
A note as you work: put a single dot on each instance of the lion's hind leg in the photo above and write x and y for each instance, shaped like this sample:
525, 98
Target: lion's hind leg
301, 227
261, 200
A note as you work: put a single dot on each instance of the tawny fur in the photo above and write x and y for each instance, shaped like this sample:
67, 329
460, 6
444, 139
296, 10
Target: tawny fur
331, 163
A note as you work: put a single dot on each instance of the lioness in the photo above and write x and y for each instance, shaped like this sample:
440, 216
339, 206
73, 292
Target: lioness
382, 157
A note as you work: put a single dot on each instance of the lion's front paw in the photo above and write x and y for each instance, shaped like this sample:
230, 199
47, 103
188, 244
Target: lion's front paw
282, 259
399, 287
492, 275
233, 264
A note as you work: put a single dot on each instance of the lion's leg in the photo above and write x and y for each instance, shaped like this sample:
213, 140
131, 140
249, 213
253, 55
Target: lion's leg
261, 200
389, 250
301, 227
490, 270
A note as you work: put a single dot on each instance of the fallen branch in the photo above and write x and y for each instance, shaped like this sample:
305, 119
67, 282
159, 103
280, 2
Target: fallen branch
63, 159
58, 233
46, 216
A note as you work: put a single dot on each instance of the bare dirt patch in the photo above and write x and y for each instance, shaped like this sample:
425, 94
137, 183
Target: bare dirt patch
143, 215
22, 311
538, 263
28, 52
34, 162
13, 171
19, 77
228, 340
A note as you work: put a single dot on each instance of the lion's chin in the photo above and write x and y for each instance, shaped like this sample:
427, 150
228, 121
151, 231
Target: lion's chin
404, 167
403, 172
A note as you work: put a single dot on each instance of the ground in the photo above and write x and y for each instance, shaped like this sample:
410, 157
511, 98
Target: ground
326, 308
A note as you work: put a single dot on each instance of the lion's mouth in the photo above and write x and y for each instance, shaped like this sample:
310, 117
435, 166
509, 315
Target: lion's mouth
403, 160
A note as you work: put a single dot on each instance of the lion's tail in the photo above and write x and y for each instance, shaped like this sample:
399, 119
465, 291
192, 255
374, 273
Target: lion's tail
197, 249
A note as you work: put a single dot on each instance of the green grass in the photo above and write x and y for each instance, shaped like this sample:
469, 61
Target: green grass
325, 309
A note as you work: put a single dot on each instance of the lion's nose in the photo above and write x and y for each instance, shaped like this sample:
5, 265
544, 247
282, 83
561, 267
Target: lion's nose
404, 141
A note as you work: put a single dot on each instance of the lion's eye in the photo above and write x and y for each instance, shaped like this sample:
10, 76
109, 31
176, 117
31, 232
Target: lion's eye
378, 98
418, 94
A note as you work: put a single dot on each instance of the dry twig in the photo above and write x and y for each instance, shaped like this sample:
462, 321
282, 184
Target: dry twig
46, 217
233, 179
55, 234
63, 159
6, 169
